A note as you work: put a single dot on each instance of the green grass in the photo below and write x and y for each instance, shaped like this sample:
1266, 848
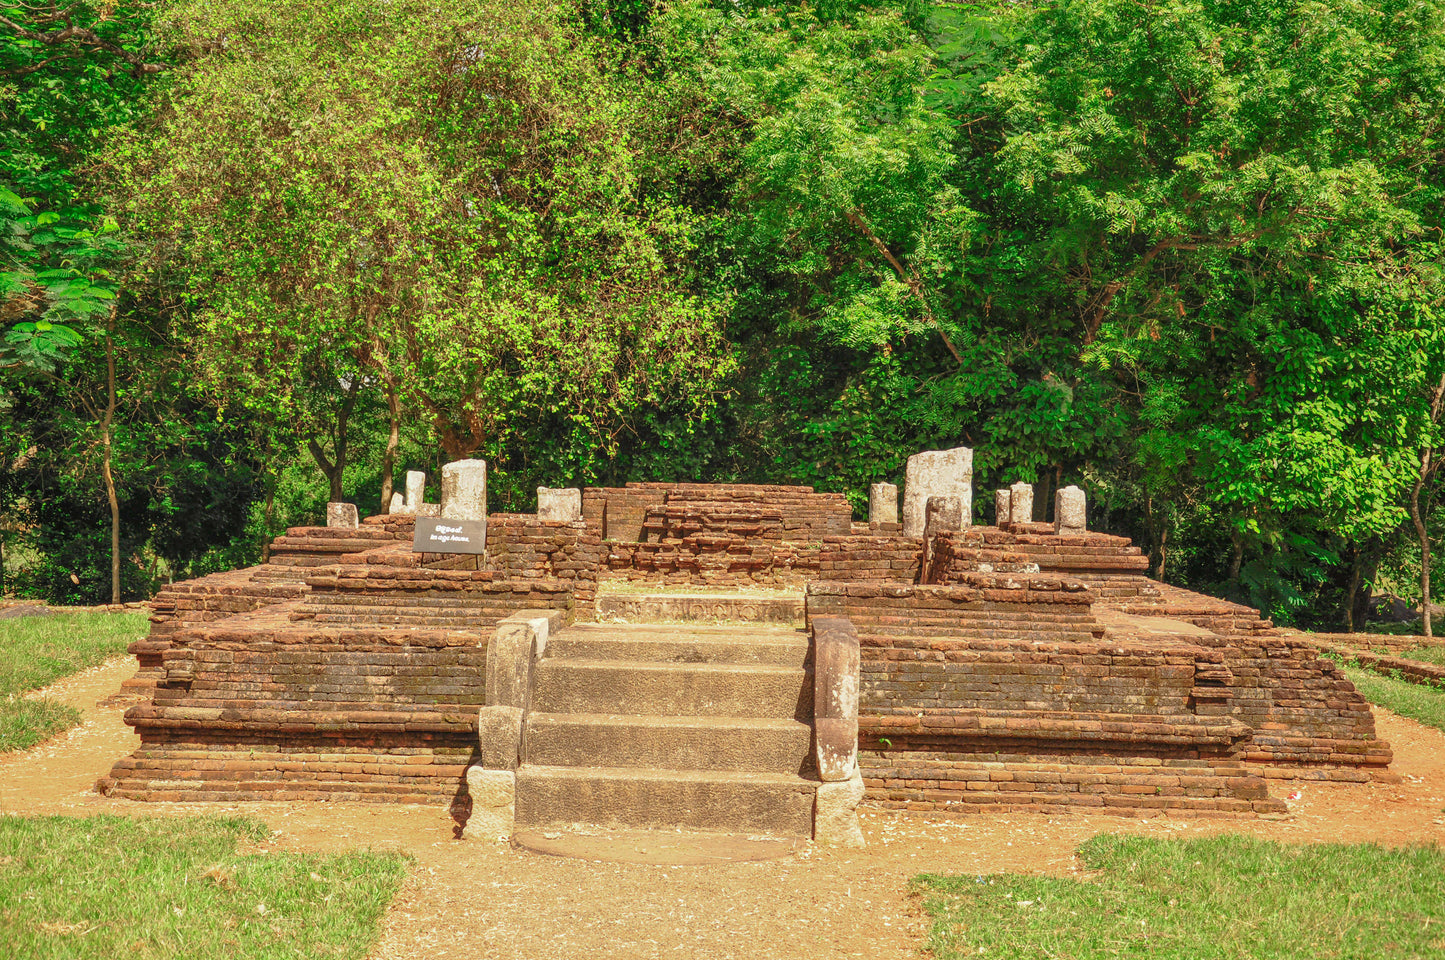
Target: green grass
107, 887
35, 651
1435, 655
1228, 897
1425, 704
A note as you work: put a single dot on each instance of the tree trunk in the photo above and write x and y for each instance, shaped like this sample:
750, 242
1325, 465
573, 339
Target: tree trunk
1236, 561
106, 428
269, 515
388, 459
1424, 535
1158, 539
335, 470
1364, 564
1427, 466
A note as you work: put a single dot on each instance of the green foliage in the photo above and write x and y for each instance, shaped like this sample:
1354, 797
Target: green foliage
167, 887
58, 99
1185, 255
1229, 896
1241, 229
37, 651
442, 201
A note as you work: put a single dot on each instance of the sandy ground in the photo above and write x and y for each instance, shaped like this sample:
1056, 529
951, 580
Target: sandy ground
478, 897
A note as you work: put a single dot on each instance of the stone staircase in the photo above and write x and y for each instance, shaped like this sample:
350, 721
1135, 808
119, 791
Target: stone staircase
647, 725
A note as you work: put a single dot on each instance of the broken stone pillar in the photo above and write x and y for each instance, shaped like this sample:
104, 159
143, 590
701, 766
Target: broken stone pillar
494, 802
342, 515
1002, 508
1069, 509
883, 503
411, 505
1021, 503
564, 504
464, 490
835, 813
936, 473
944, 515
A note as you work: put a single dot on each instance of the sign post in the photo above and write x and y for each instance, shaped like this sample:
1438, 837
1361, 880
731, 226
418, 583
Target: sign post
435, 535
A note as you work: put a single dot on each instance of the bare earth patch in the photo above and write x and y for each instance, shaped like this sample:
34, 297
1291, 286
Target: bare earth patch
479, 897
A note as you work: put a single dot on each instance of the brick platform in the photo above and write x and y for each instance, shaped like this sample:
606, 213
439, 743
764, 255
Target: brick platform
1001, 668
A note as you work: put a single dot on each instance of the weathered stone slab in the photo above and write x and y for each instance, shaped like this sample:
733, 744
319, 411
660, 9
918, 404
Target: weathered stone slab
936, 473
513, 648
883, 503
836, 663
1070, 506
1021, 503
343, 516
494, 802
499, 736
652, 608
563, 504
464, 490
835, 813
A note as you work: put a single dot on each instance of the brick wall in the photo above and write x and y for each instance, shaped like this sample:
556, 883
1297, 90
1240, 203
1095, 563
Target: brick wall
731, 560
654, 511
522, 547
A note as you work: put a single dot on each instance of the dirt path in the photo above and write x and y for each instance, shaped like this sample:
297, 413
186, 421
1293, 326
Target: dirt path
481, 898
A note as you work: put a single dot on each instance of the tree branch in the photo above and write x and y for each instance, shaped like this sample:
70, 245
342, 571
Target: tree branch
71, 34
909, 278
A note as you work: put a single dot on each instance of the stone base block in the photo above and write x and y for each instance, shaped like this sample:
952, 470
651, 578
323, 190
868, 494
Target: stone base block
494, 802
835, 813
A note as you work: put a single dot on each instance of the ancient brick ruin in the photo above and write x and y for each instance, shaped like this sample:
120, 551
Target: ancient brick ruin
657, 660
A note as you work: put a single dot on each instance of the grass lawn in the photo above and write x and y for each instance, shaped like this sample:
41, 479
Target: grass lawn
1418, 702
35, 651
1222, 897
1425, 655
109, 887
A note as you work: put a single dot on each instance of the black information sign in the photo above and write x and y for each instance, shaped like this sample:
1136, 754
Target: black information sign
449, 536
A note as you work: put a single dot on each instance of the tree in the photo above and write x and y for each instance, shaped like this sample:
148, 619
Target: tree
441, 204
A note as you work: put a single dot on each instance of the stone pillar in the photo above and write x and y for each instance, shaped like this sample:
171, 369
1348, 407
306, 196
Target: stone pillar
415, 488
398, 504
342, 515
1021, 503
883, 503
1069, 511
936, 473
944, 515
1002, 507
563, 504
464, 490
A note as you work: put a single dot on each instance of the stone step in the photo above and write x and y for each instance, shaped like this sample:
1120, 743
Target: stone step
690, 643
777, 607
685, 743
748, 803
671, 689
